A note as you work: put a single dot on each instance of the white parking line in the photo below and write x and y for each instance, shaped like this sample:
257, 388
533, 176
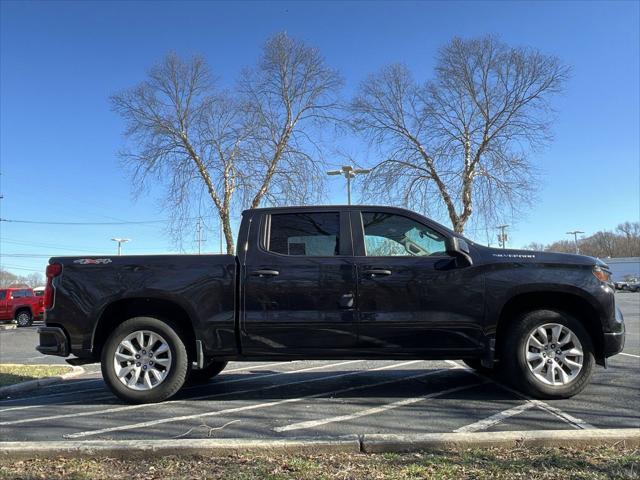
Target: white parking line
373, 410
111, 397
161, 421
629, 355
575, 422
495, 419
171, 402
264, 365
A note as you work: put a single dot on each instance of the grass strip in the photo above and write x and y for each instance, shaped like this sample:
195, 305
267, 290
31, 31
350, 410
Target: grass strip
10, 374
494, 464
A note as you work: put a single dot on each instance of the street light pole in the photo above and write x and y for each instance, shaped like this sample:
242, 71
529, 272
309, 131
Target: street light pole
120, 241
349, 172
575, 239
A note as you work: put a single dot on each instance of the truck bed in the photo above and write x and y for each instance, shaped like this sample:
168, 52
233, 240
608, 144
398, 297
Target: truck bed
202, 285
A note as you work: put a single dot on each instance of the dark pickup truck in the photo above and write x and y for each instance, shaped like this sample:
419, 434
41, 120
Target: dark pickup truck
334, 282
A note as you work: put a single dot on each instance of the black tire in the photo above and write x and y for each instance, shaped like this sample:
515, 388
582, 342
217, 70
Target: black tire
24, 318
212, 369
515, 364
177, 373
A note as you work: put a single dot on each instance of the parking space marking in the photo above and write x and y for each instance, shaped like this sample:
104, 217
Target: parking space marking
110, 396
495, 419
171, 402
373, 410
161, 421
575, 422
629, 355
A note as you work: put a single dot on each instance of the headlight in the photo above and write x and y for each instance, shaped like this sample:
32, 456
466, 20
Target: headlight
601, 274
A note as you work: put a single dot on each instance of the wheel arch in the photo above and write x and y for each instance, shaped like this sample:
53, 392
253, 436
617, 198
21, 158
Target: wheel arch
21, 308
123, 309
568, 302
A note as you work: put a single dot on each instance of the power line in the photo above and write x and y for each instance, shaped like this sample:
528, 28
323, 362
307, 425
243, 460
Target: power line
18, 267
37, 222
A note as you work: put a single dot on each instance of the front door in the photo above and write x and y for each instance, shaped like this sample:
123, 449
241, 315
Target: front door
299, 285
412, 297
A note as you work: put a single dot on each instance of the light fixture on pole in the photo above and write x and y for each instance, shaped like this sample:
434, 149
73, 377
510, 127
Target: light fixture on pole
349, 172
120, 242
575, 238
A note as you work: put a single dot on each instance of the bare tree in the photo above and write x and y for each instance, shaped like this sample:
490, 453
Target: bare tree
184, 135
623, 242
290, 92
536, 246
237, 147
34, 280
463, 138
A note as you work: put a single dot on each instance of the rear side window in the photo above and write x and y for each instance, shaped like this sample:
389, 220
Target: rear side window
3, 294
305, 234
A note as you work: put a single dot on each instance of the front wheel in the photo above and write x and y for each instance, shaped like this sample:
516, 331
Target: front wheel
548, 354
144, 360
24, 318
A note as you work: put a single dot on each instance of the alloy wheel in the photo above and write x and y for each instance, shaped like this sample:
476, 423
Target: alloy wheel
142, 360
554, 354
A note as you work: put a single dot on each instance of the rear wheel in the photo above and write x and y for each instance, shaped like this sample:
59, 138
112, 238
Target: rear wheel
24, 318
548, 354
144, 360
212, 369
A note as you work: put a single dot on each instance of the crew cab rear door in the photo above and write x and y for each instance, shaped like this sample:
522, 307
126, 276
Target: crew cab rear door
412, 297
298, 284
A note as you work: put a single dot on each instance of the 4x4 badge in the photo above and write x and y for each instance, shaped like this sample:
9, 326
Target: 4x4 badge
92, 261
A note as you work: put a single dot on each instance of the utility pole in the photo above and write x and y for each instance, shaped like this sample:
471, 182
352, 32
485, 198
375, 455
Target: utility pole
349, 172
120, 241
502, 236
575, 238
199, 238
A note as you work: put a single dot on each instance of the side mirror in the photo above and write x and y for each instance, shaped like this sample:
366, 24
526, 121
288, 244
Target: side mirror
459, 248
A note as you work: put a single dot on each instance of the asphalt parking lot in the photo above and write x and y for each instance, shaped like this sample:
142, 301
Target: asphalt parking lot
305, 399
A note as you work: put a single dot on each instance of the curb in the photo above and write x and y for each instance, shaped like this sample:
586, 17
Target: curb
39, 382
508, 439
137, 448
373, 443
11, 326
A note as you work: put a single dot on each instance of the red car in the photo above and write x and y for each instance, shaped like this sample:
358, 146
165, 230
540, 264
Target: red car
20, 304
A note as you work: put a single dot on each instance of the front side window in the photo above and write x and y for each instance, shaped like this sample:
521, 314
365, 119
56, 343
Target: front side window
391, 235
306, 234
3, 294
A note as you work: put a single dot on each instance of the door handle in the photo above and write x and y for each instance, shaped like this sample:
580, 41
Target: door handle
346, 300
377, 272
265, 273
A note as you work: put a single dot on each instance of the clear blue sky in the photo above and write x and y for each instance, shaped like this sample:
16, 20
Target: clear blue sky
61, 60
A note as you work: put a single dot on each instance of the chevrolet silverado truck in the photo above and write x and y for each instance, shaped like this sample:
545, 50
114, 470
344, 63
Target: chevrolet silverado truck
334, 282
